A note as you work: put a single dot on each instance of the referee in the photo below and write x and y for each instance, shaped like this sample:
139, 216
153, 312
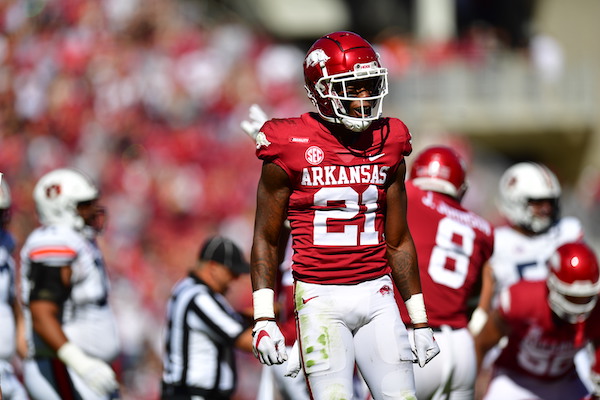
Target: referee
203, 328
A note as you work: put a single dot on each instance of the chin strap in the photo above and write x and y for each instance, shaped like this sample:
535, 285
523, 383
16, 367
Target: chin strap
355, 125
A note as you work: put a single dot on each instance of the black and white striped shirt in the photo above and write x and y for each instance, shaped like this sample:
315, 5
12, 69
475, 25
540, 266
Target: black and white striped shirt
199, 353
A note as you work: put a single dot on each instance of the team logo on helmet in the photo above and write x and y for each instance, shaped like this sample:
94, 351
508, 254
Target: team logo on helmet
316, 57
53, 191
314, 155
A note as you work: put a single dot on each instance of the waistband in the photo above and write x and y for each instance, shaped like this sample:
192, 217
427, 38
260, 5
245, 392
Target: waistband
440, 328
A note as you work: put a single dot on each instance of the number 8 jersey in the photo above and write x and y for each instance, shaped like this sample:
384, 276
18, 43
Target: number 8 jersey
338, 201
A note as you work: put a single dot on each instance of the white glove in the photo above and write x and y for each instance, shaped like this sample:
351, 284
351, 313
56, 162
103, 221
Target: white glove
293, 364
257, 119
98, 375
268, 343
595, 379
425, 347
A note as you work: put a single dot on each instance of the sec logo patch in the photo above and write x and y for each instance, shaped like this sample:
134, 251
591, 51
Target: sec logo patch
314, 155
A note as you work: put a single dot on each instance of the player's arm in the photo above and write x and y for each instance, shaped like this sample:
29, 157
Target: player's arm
595, 373
492, 331
244, 341
271, 209
51, 287
19, 329
402, 258
488, 286
401, 252
17, 311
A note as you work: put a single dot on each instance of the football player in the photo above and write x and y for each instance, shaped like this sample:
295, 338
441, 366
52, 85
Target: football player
71, 327
12, 339
453, 245
546, 323
530, 201
338, 176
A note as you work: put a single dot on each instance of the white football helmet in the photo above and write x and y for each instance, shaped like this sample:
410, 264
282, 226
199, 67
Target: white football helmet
573, 281
524, 182
57, 195
5, 198
5, 203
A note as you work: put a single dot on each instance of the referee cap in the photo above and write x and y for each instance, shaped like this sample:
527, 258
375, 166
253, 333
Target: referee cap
226, 252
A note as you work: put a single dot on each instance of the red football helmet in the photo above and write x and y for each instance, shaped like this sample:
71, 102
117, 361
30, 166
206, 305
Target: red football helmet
339, 69
573, 281
440, 169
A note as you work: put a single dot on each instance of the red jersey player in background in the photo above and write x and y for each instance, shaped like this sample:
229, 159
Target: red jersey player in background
546, 322
453, 244
338, 177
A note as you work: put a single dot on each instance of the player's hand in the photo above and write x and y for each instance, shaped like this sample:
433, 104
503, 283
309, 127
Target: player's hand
97, 374
268, 343
255, 122
595, 379
293, 364
425, 347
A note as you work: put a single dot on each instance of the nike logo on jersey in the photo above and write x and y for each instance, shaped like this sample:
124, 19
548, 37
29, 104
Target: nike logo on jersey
304, 301
375, 157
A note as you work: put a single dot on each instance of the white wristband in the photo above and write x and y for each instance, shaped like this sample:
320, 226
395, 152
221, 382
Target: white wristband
263, 303
416, 309
477, 321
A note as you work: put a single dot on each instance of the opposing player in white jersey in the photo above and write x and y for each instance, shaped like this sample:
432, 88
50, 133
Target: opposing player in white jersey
530, 201
338, 177
546, 323
12, 338
71, 327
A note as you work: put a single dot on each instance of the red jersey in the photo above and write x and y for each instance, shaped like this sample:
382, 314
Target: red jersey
338, 201
539, 343
452, 246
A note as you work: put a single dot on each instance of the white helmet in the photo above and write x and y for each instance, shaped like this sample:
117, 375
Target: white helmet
5, 203
57, 195
5, 199
524, 182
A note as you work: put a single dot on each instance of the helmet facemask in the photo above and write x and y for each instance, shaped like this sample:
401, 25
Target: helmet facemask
573, 304
346, 94
537, 223
93, 216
